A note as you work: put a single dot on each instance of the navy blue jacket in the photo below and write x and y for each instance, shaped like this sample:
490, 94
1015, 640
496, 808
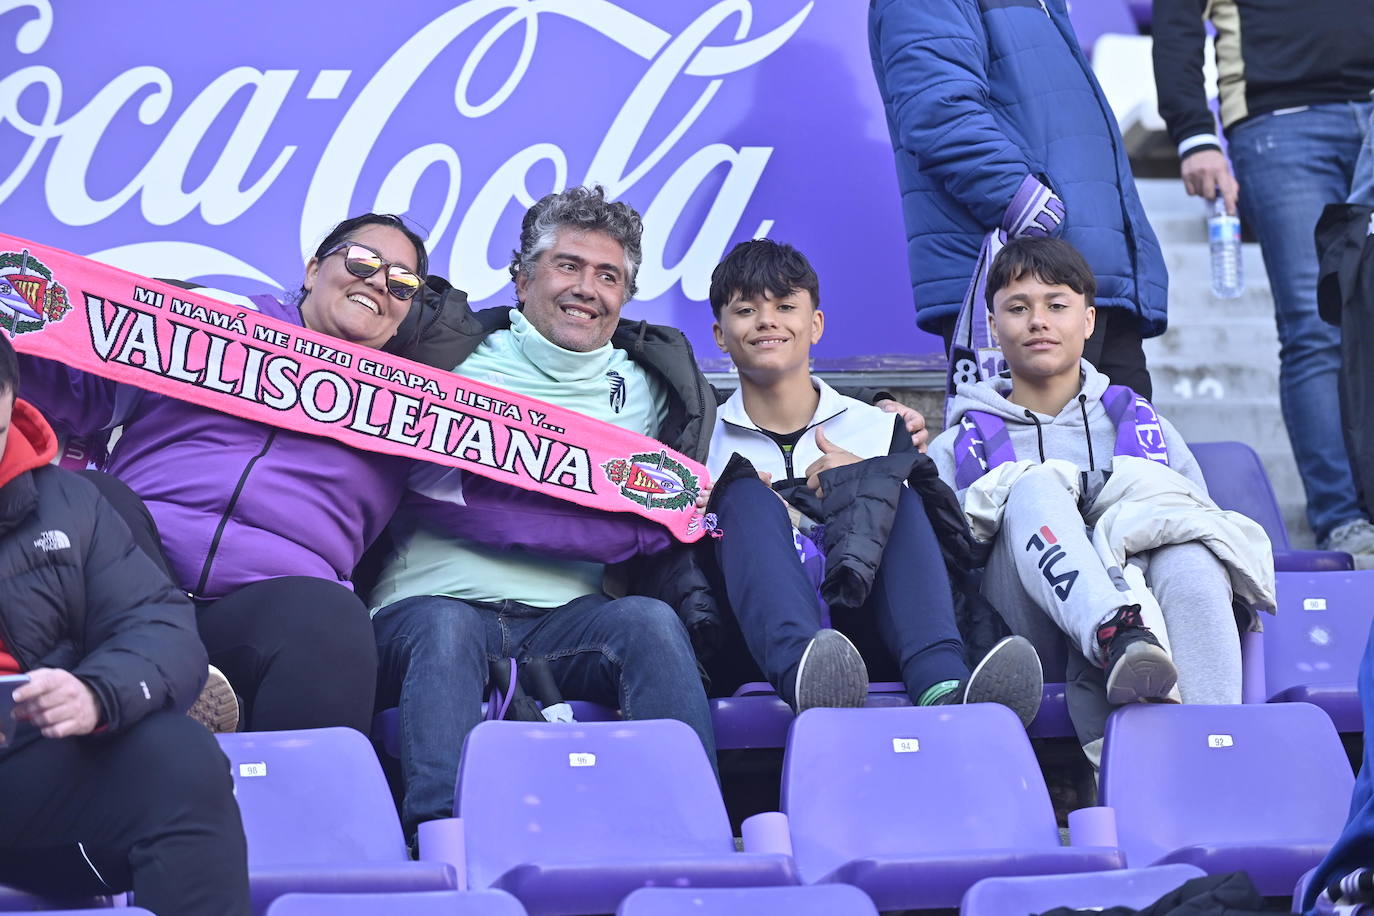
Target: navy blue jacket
980, 93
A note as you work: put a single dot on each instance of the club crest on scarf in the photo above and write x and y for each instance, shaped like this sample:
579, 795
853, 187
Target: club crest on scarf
29, 297
654, 480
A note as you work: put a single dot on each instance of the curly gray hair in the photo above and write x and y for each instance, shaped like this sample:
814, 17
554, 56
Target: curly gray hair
582, 208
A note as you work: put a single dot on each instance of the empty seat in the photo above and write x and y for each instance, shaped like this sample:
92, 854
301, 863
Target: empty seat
319, 817
1313, 646
1236, 480
13, 900
423, 903
48, 910
571, 818
1262, 788
1136, 888
819, 900
915, 804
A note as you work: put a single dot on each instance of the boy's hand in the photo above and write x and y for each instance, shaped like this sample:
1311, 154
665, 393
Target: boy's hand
832, 457
915, 422
58, 702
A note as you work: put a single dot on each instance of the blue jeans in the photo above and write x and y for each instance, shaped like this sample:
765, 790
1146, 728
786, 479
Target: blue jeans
632, 653
778, 610
1290, 166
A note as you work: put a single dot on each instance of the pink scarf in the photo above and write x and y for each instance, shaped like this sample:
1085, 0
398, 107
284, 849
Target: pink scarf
185, 345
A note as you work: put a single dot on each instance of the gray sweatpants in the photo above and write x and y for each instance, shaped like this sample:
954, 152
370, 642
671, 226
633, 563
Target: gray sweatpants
1051, 587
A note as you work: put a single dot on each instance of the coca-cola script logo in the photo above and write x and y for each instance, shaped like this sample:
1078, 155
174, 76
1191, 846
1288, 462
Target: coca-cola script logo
624, 154
183, 140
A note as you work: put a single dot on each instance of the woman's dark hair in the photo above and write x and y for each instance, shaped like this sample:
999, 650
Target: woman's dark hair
9, 368
1051, 261
345, 230
758, 266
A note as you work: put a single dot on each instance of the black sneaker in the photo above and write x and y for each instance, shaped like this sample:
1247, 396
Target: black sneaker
831, 673
1010, 674
1138, 669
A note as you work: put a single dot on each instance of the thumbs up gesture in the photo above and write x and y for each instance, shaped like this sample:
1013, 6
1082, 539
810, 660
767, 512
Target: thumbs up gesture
832, 456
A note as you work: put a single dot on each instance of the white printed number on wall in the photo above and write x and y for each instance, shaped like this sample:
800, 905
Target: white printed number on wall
1219, 741
252, 769
1314, 604
905, 745
581, 760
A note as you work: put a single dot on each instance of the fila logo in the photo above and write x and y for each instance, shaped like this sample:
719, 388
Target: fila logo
1051, 553
52, 540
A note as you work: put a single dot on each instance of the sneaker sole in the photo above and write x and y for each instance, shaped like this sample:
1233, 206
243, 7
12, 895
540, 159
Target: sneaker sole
1145, 673
1010, 674
831, 673
217, 708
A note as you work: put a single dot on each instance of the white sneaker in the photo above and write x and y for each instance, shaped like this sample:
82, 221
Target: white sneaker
1354, 537
217, 707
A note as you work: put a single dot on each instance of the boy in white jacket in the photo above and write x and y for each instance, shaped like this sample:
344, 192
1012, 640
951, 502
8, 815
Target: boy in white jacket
798, 432
1044, 574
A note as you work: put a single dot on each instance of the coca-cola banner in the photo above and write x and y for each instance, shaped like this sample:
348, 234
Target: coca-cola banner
219, 142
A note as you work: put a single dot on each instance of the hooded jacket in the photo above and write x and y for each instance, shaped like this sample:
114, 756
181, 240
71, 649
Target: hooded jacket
979, 94
1082, 433
77, 594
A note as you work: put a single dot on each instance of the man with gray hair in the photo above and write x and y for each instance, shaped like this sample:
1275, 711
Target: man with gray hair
528, 582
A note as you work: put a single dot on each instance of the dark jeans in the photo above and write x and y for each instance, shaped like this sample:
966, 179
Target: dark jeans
632, 653
150, 809
778, 611
1290, 166
298, 650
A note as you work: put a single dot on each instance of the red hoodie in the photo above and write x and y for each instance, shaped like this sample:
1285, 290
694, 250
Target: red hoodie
31, 444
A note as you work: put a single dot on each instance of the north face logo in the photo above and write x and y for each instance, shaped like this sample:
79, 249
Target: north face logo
52, 540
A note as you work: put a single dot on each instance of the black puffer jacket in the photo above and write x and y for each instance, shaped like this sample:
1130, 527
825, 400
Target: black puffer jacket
77, 594
443, 330
857, 512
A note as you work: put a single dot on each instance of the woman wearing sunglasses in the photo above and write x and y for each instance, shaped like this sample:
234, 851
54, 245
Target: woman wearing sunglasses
263, 526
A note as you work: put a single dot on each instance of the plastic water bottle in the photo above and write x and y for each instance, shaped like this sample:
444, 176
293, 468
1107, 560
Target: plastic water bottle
1223, 233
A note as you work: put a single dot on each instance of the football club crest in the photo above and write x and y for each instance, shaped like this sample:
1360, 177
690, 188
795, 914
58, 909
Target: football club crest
654, 480
29, 297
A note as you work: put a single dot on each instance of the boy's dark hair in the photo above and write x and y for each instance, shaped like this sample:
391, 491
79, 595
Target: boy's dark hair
9, 367
762, 265
1052, 261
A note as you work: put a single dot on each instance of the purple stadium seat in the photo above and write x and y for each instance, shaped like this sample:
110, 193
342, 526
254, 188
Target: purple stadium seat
45, 910
818, 900
1313, 646
1236, 480
1096, 18
422, 903
1136, 888
319, 817
386, 725
13, 900
913, 805
1143, 13
1263, 787
571, 818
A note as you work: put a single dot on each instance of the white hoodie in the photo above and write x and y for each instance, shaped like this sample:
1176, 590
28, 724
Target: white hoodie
1037, 436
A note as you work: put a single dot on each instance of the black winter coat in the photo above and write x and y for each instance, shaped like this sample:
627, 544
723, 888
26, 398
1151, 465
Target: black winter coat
77, 594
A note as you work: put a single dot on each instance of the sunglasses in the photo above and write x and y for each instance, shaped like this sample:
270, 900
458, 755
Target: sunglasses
362, 262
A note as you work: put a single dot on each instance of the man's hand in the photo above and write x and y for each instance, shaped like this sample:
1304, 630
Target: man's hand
58, 703
915, 423
1206, 172
832, 456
